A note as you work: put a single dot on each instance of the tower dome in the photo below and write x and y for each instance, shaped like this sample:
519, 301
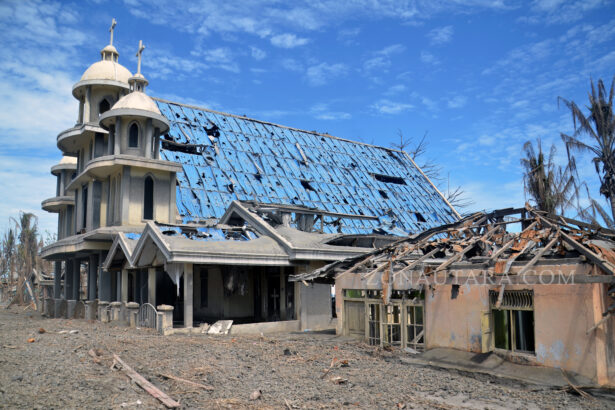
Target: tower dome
136, 103
107, 71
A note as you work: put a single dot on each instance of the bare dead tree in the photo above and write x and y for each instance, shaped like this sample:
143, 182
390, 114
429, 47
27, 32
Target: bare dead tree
457, 197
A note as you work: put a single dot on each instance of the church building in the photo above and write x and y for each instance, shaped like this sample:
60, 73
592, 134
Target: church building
163, 203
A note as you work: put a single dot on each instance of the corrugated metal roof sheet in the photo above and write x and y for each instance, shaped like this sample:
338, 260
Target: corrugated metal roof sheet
249, 160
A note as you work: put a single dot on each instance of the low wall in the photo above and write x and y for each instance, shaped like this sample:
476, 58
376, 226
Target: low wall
266, 327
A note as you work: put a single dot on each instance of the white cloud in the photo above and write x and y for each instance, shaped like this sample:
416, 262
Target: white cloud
385, 106
428, 58
288, 40
560, 11
322, 111
396, 89
221, 57
257, 53
381, 59
458, 101
292, 65
440, 35
320, 74
24, 187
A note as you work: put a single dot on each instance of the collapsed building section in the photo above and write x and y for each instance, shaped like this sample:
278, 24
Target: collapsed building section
536, 288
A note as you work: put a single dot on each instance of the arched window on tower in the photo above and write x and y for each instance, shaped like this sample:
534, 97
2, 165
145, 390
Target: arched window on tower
133, 136
104, 106
148, 198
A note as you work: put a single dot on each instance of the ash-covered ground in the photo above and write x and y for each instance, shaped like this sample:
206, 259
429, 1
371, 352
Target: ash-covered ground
293, 371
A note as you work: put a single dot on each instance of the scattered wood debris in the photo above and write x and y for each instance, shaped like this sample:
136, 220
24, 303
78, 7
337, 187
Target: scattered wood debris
145, 384
191, 383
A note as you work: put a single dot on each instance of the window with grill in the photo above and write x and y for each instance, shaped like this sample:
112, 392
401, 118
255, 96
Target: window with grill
513, 320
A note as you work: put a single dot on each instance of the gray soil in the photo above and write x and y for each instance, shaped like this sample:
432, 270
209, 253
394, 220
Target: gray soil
56, 371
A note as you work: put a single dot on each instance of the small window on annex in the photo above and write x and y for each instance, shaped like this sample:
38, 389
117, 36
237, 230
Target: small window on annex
513, 320
148, 198
133, 136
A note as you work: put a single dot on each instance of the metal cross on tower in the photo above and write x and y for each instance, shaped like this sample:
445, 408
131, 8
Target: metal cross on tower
141, 48
113, 23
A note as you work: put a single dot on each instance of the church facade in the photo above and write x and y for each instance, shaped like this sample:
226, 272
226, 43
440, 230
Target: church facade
162, 203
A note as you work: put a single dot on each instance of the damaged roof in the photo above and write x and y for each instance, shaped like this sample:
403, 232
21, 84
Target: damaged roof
481, 242
227, 157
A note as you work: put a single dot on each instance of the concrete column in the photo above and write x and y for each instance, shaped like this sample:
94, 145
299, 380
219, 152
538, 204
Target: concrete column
124, 286
188, 294
86, 104
104, 288
80, 119
61, 178
92, 277
157, 147
151, 286
76, 280
111, 141
117, 136
68, 279
57, 280
91, 309
148, 138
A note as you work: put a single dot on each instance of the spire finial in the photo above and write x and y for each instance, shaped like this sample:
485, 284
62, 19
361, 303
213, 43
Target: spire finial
113, 23
141, 48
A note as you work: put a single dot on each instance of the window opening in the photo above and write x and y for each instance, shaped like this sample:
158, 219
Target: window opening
103, 107
133, 136
84, 200
415, 327
513, 320
148, 198
389, 179
392, 325
374, 324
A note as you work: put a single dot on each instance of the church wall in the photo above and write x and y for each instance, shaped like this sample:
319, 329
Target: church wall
135, 192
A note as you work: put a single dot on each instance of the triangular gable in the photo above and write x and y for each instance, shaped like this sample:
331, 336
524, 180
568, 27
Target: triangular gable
120, 249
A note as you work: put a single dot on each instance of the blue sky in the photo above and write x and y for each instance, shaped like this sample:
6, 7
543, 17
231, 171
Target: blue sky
480, 77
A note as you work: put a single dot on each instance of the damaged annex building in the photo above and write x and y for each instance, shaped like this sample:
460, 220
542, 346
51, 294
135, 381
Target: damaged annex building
208, 213
535, 288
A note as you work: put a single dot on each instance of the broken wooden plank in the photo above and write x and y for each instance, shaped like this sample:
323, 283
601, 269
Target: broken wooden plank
191, 383
539, 254
597, 325
465, 250
146, 385
603, 264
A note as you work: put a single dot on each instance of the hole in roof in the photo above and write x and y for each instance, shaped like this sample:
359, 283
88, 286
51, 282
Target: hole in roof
383, 194
419, 217
306, 184
389, 179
